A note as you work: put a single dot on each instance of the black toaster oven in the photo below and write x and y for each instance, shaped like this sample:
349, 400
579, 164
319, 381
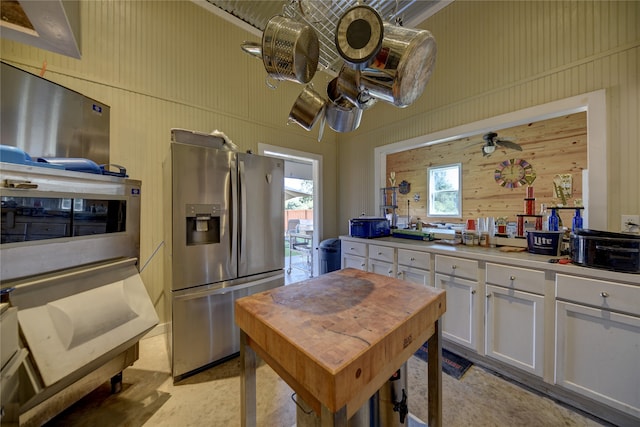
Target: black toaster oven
606, 250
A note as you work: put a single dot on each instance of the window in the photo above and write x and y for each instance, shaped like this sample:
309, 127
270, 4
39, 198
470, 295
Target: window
445, 191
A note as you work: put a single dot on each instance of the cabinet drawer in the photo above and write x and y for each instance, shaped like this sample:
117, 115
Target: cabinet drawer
599, 293
354, 248
457, 267
414, 259
521, 279
382, 253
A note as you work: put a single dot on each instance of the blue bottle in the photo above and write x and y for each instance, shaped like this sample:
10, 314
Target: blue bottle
577, 221
553, 220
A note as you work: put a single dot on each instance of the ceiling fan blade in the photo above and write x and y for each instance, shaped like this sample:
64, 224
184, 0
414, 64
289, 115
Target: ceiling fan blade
509, 144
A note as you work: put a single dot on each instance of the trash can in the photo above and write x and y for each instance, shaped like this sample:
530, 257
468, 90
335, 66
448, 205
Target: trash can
329, 255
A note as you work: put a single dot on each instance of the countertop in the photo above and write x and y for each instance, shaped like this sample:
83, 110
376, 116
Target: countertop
520, 259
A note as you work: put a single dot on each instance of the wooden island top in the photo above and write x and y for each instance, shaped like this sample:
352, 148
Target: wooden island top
337, 338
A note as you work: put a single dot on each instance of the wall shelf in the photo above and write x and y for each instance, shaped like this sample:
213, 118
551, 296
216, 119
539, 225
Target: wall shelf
389, 200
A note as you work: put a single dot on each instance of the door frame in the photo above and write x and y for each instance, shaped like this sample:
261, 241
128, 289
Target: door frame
316, 172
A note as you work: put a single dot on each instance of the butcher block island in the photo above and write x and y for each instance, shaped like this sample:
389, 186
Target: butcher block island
337, 338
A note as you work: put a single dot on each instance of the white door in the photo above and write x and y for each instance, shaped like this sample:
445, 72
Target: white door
313, 171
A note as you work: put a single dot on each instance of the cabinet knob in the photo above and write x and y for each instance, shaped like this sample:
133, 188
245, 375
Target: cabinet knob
399, 274
454, 266
473, 292
488, 295
412, 259
362, 265
379, 253
604, 294
512, 278
390, 272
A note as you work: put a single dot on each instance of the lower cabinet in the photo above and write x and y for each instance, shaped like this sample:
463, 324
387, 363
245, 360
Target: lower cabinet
515, 316
354, 255
463, 322
352, 261
380, 267
597, 347
460, 321
515, 328
381, 260
414, 275
414, 266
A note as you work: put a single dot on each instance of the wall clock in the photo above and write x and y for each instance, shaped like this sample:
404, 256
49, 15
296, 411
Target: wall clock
511, 173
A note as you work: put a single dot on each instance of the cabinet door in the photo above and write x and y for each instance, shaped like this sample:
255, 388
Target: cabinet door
351, 261
515, 328
461, 320
414, 275
598, 355
381, 267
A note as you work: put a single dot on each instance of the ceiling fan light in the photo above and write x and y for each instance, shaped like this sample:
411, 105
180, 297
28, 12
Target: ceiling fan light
488, 149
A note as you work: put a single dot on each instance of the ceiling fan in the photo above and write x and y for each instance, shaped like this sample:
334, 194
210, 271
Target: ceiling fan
492, 141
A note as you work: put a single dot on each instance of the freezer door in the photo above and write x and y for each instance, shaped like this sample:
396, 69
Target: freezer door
203, 330
203, 247
261, 214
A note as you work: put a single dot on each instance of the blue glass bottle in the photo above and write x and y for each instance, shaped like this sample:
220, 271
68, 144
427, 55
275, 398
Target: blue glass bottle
553, 220
577, 221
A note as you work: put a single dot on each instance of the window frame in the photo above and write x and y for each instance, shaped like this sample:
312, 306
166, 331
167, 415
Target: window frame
430, 171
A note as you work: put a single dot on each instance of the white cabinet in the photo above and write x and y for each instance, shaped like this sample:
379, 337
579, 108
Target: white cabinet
381, 260
598, 340
514, 330
462, 323
354, 255
414, 266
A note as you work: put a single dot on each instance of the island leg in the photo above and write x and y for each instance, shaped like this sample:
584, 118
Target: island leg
434, 377
330, 419
247, 383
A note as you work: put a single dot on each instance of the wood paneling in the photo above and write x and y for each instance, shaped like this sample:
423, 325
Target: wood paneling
553, 146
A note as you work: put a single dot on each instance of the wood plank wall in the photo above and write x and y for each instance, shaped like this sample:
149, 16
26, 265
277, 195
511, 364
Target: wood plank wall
552, 147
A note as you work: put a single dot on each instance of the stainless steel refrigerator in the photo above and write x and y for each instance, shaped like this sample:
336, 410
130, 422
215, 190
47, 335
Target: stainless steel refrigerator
224, 241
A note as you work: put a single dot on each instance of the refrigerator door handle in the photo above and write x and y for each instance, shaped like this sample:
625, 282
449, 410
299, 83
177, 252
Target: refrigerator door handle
233, 217
242, 195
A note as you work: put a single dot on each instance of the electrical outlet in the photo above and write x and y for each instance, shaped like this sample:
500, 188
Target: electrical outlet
631, 223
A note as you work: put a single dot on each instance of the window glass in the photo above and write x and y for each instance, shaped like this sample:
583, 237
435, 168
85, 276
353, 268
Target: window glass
445, 191
41, 218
